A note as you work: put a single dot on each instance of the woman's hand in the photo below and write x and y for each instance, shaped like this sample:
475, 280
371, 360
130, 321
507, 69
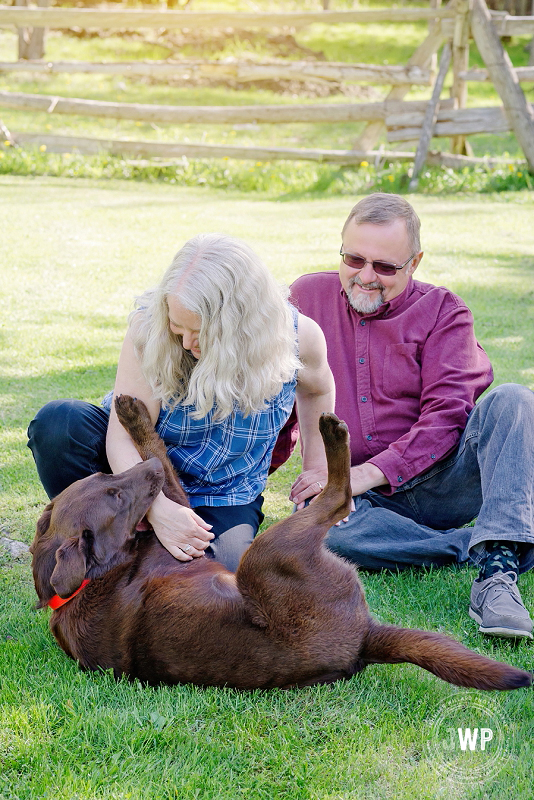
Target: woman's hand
182, 532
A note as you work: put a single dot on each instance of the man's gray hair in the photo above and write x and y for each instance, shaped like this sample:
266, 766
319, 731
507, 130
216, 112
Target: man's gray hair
382, 209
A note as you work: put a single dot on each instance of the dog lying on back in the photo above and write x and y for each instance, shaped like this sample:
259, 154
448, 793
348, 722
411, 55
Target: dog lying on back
294, 614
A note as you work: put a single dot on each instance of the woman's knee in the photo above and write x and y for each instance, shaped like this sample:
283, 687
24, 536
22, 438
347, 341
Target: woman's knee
49, 428
62, 425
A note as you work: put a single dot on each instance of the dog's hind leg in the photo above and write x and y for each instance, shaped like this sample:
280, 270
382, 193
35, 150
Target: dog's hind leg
304, 530
134, 417
449, 660
286, 570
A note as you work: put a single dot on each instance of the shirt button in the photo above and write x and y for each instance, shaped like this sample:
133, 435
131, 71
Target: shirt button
362, 322
368, 437
399, 478
364, 399
362, 360
433, 455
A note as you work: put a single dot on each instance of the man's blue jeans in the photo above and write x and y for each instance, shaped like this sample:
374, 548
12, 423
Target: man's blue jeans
489, 476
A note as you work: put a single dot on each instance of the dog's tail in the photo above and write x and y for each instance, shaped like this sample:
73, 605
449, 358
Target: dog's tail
449, 660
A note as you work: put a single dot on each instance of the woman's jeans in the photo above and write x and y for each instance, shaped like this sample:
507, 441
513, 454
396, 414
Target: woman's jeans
68, 442
489, 476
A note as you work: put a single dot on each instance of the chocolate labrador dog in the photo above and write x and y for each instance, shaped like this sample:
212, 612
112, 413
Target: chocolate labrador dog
293, 615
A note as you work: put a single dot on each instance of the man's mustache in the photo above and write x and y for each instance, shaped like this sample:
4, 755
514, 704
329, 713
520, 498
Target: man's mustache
374, 285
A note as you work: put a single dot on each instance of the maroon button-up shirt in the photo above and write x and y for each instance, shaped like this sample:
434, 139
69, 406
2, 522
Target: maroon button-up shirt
406, 376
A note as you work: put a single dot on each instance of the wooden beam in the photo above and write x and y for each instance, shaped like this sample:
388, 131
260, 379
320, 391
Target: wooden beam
505, 25
324, 112
93, 18
241, 71
67, 144
465, 121
430, 117
499, 66
523, 74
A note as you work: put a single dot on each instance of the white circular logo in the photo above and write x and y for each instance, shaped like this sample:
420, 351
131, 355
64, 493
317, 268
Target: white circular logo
470, 739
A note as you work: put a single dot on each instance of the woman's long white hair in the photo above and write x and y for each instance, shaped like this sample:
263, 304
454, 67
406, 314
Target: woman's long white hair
247, 335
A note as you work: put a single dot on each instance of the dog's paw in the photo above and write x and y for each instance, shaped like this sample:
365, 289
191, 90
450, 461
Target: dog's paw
333, 430
132, 412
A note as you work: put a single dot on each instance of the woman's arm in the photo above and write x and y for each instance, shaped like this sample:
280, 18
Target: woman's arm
315, 395
175, 526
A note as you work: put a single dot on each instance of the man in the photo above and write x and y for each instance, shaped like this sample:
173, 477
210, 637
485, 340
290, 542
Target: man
425, 459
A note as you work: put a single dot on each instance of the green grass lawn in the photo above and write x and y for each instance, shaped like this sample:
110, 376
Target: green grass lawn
74, 255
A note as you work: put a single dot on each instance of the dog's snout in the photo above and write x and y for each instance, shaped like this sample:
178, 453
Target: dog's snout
154, 474
155, 464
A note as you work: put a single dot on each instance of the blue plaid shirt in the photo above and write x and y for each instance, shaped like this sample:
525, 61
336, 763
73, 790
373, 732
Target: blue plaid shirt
225, 462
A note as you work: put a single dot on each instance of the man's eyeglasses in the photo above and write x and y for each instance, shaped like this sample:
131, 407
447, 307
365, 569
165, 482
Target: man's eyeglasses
380, 267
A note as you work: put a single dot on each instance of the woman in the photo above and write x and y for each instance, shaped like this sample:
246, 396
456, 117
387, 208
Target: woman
218, 356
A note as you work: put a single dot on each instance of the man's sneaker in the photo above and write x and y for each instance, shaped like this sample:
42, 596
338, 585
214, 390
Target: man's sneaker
497, 607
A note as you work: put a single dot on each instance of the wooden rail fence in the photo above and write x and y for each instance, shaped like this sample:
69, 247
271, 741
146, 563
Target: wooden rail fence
403, 121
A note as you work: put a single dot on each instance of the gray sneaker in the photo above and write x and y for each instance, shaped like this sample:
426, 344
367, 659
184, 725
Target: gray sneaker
497, 607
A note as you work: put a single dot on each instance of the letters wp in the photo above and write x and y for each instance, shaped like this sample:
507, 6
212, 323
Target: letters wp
469, 738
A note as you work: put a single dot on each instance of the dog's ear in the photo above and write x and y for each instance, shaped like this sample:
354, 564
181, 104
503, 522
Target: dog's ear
42, 525
71, 566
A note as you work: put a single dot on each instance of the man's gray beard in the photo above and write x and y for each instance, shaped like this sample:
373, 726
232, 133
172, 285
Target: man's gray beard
363, 303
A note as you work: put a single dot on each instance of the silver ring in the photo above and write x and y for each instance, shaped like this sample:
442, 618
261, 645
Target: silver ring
187, 548
320, 485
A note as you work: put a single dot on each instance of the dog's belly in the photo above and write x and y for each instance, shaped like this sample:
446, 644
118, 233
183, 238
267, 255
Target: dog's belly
188, 632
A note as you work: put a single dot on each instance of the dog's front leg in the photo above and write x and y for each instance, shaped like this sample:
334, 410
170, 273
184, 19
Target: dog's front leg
134, 418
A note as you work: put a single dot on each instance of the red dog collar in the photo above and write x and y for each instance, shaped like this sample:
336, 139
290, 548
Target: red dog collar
56, 601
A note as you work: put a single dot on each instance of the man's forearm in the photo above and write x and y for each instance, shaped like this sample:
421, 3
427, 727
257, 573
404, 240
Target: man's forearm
364, 477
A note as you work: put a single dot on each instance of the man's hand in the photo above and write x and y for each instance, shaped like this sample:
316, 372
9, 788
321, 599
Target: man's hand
182, 532
308, 484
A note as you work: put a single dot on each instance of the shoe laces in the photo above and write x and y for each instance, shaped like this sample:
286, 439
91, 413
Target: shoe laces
501, 583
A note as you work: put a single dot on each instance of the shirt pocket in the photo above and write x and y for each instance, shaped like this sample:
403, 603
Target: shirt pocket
402, 371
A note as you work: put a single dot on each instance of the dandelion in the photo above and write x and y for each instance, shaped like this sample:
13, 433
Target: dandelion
391, 178
2, 154
364, 163
48, 127
7, 143
519, 174
511, 167
42, 148
259, 163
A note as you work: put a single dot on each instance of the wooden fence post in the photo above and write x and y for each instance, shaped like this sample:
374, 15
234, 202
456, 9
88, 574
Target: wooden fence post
431, 26
502, 74
32, 40
430, 117
460, 63
421, 58
531, 54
